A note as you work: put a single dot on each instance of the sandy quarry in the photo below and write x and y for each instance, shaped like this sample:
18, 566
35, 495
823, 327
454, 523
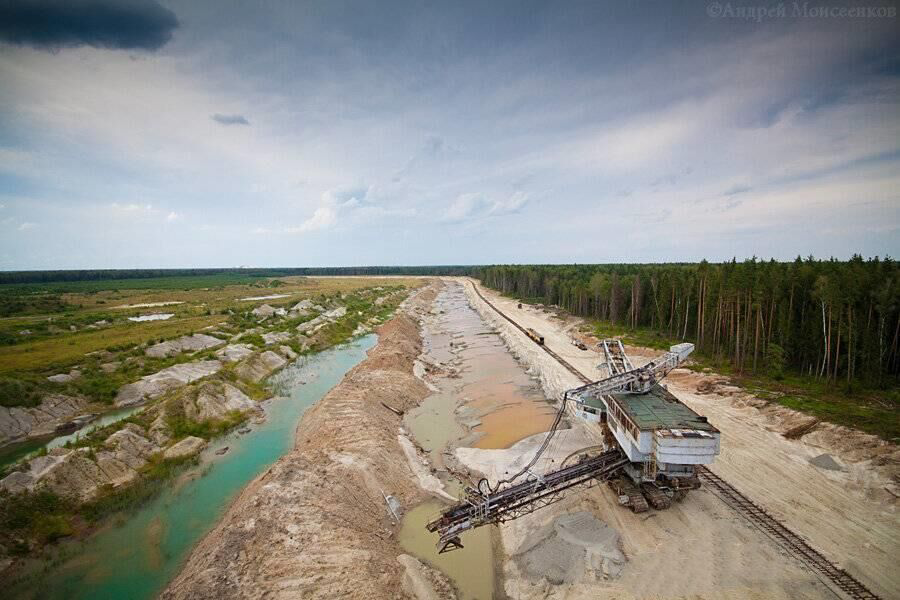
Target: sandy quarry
849, 515
317, 523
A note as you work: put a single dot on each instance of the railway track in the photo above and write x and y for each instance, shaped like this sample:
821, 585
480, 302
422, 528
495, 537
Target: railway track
556, 356
757, 516
785, 538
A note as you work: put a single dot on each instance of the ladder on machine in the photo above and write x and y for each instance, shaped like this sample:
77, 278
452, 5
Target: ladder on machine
651, 467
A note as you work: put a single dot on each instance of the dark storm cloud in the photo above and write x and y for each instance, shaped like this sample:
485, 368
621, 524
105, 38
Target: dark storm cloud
55, 24
230, 119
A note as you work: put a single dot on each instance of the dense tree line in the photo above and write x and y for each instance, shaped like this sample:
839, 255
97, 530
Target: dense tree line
836, 320
115, 274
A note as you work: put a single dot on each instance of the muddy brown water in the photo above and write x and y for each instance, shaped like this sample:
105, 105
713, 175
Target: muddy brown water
486, 400
471, 569
490, 401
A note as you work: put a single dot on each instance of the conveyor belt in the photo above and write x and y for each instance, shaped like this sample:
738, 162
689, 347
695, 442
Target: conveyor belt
522, 498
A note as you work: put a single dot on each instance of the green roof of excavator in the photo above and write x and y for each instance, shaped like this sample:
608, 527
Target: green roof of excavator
659, 409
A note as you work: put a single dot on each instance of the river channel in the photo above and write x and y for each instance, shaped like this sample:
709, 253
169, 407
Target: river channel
137, 554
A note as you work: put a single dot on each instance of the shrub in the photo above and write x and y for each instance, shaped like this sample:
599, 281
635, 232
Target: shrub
24, 511
253, 338
18, 392
49, 528
775, 361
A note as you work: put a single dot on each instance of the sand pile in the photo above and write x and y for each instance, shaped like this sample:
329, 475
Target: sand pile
571, 549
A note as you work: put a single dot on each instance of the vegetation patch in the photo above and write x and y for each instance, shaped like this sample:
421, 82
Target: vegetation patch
21, 391
182, 427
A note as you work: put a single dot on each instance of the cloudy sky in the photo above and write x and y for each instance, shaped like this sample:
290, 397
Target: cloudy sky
222, 133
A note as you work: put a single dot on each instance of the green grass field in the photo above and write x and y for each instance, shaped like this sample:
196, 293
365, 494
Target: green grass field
90, 317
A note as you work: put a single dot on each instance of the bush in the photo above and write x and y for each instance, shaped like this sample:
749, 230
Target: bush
100, 387
17, 392
25, 511
775, 361
49, 528
253, 338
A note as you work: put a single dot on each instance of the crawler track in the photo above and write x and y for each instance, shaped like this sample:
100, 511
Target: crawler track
756, 515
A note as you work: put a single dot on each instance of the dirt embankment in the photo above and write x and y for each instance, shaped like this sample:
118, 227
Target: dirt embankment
317, 523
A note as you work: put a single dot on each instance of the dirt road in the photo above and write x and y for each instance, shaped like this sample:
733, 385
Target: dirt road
701, 547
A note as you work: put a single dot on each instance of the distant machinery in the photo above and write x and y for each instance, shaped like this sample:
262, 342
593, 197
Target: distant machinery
534, 335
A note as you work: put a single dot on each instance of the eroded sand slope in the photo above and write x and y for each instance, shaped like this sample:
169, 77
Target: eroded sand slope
316, 524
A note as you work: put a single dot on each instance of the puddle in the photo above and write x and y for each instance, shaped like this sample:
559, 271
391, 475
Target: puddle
509, 424
490, 402
471, 569
272, 297
157, 317
150, 304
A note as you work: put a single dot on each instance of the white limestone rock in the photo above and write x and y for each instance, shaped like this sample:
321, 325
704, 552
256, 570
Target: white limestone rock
258, 367
157, 384
65, 377
186, 343
18, 423
276, 337
288, 352
215, 401
187, 447
263, 312
235, 352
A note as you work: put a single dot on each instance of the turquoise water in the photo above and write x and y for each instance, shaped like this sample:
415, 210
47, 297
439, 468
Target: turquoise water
16, 452
136, 559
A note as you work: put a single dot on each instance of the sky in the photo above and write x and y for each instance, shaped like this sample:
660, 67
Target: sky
217, 133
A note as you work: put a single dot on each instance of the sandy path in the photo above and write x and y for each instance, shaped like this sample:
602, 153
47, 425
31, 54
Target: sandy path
700, 547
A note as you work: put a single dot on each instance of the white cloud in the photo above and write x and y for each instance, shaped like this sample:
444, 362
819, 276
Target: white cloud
173, 216
724, 137
26, 226
511, 205
475, 206
346, 205
324, 217
133, 208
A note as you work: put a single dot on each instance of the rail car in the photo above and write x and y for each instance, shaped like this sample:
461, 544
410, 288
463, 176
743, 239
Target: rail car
534, 335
